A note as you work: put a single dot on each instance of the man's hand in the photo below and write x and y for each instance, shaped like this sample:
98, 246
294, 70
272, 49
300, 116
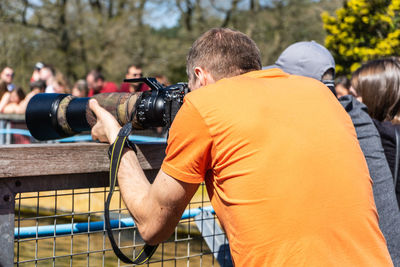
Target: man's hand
106, 128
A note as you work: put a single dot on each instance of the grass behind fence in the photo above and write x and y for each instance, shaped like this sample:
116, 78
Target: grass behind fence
185, 248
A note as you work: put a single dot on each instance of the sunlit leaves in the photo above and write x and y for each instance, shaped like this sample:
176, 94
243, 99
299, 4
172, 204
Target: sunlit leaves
362, 30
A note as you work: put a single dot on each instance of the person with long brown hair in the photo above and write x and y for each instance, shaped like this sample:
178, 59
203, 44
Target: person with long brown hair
17, 96
3, 88
377, 85
4, 95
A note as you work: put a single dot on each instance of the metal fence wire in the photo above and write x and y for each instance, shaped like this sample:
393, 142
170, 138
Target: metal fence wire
65, 228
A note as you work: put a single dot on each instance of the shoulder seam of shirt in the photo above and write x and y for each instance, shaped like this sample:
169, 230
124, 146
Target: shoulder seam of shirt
213, 147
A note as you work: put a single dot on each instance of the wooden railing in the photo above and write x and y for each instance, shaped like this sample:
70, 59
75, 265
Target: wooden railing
44, 167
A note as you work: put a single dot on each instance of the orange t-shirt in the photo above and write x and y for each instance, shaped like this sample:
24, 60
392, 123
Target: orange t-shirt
283, 169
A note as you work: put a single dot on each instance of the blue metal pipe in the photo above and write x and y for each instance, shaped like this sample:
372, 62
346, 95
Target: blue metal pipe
75, 228
15, 131
137, 139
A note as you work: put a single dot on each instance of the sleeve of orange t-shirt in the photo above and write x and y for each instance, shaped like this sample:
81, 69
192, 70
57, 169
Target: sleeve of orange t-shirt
189, 146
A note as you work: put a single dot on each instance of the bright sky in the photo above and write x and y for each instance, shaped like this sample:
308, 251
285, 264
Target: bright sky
166, 14
161, 15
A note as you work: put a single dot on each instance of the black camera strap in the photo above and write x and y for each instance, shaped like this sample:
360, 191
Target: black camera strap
115, 154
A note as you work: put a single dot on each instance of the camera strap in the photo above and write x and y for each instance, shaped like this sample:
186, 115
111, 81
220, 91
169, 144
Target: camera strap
115, 154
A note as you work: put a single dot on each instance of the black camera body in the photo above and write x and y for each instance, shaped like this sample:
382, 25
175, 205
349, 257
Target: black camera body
54, 116
159, 106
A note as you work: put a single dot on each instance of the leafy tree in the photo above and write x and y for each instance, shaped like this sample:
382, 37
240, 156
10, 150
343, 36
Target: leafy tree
76, 36
282, 23
362, 30
73, 35
276, 24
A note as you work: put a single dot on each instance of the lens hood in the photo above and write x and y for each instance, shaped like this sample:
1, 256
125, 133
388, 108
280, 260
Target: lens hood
41, 116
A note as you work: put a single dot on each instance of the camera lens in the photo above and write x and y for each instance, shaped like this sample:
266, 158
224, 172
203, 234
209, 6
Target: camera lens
53, 116
41, 116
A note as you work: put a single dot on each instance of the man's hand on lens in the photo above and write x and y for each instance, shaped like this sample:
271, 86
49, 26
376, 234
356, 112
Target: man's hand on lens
106, 128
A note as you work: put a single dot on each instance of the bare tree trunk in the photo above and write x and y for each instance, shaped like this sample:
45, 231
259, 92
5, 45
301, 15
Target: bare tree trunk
64, 38
143, 39
187, 13
81, 39
229, 12
253, 12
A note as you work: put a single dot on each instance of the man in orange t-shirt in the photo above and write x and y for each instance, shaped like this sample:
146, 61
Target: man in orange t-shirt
268, 146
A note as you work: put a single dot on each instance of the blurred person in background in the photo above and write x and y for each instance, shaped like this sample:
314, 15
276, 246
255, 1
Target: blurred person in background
36, 72
60, 84
309, 59
3, 89
36, 88
80, 89
4, 95
47, 74
342, 86
133, 72
97, 84
377, 85
14, 106
19, 106
7, 76
16, 96
161, 79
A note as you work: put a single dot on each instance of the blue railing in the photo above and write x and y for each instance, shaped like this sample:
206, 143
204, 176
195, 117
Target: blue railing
138, 139
65, 229
15, 131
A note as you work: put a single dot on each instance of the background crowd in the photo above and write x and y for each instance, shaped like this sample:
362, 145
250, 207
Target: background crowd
46, 79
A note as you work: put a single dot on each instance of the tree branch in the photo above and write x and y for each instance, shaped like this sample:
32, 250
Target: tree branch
120, 7
38, 26
96, 5
229, 12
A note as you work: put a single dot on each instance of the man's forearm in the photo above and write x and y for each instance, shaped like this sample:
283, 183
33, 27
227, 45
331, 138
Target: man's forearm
156, 208
134, 187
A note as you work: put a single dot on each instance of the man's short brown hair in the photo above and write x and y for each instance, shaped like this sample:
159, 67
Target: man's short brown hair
224, 53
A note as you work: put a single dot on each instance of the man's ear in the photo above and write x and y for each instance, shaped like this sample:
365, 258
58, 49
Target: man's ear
203, 76
200, 75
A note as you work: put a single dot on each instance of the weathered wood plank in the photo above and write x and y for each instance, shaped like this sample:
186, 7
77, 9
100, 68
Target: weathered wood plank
12, 117
73, 158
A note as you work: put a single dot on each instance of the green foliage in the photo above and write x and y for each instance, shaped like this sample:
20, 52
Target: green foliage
362, 30
283, 23
76, 36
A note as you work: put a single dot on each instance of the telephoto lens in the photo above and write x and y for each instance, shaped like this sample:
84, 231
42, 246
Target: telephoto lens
53, 116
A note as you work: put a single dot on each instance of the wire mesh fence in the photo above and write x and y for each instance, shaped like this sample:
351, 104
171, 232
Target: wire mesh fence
65, 228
